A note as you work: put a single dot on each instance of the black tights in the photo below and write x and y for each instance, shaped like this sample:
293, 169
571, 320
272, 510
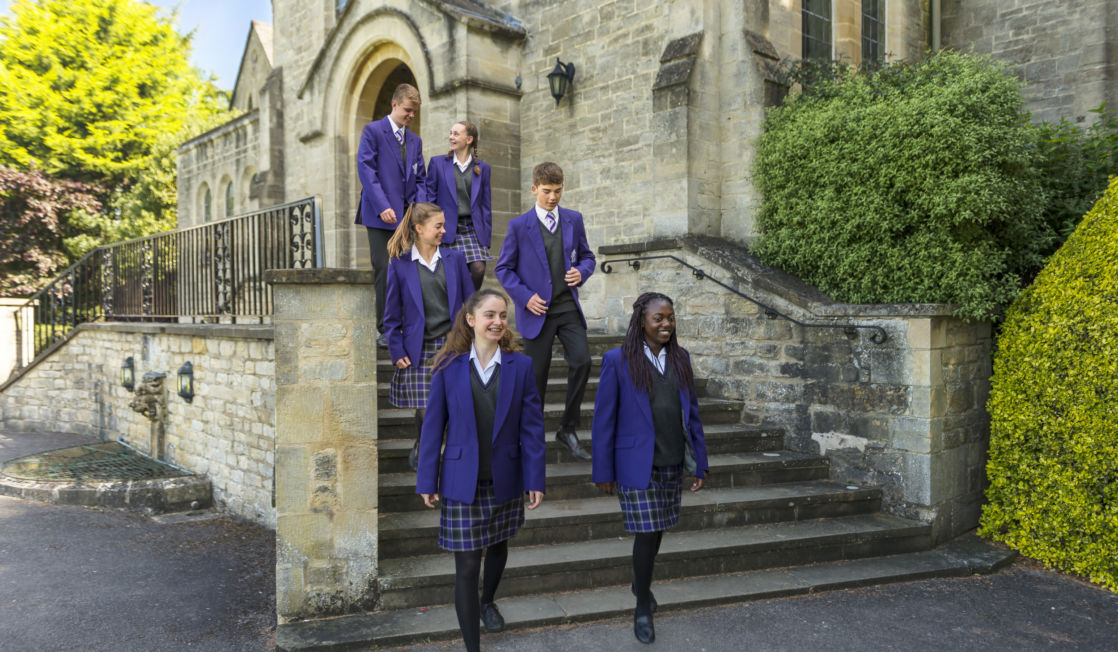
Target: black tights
646, 545
477, 273
467, 567
419, 414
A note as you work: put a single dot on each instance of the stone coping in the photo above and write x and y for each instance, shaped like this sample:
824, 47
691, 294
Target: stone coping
319, 276
741, 264
232, 331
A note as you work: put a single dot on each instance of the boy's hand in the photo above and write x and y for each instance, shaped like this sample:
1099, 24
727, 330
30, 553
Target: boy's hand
536, 305
388, 216
573, 277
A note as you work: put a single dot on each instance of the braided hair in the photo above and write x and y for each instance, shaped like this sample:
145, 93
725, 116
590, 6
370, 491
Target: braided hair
632, 350
471, 132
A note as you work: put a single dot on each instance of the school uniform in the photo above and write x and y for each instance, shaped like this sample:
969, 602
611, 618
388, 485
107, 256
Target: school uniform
639, 440
390, 168
466, 199
420, 307
494, 448
534, 259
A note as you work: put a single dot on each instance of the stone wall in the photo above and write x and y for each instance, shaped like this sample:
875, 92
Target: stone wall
227, 432
230, 153
907, 414
1064, 51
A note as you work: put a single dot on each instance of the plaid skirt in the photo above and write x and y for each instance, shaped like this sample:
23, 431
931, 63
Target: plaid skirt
465, 241
656, 507
410, 386
480, 524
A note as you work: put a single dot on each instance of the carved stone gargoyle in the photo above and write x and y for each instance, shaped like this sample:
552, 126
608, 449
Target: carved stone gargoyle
148, 399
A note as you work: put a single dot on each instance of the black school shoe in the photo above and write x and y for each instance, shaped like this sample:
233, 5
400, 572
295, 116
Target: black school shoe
569, 439
642, 627
491, 618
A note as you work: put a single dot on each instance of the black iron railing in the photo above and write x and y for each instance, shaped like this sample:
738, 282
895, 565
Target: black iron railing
877, 333
210, 271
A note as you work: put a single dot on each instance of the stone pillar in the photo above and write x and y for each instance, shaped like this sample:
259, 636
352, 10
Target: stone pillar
326, 442
10, 354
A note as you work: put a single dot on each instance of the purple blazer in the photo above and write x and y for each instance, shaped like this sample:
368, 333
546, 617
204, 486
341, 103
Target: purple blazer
386, 182
622, 437
404, 316
518, 452
523, 270
441, 189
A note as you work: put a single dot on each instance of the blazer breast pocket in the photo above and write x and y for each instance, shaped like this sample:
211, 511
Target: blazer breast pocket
452, 453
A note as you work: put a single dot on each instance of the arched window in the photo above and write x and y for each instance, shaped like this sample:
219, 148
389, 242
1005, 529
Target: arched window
207, 206
229, 199
817, 42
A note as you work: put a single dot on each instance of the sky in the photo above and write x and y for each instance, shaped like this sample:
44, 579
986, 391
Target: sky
220, 29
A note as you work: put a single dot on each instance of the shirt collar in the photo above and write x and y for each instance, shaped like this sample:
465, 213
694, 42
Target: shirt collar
395, 127
434, 259
659, 360
540, 213
495, 360
462, 166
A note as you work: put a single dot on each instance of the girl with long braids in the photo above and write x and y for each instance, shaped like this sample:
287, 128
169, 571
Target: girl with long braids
646, 436
425, 288
459, 183
484, 406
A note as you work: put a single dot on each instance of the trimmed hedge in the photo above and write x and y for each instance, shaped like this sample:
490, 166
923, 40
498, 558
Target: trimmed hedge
1053, 465
910, 183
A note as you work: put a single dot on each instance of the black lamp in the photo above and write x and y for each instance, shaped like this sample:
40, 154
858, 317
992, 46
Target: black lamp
560, 79
128, 374
186, 382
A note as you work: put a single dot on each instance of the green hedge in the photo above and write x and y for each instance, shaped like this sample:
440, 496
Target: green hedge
1053, 465
911, 183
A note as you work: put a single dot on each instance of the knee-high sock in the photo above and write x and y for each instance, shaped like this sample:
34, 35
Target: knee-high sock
645, 545
467, 567
496, 556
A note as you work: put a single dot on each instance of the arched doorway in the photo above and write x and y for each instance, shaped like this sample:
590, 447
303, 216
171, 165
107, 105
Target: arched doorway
375, 95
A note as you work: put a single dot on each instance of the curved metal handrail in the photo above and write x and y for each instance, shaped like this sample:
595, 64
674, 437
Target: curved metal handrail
877, 335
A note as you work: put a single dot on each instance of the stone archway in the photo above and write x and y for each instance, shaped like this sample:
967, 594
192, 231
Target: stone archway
374, 94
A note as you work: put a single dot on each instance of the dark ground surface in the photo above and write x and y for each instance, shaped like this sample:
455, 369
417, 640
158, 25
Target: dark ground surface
74, 578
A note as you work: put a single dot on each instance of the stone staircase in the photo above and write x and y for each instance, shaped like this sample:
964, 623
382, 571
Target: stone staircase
769, 522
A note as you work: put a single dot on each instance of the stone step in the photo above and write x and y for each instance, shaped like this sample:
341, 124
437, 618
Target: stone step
582, 519
720, 438
966, 556
578, 566
400, 422
572, 480
557, 370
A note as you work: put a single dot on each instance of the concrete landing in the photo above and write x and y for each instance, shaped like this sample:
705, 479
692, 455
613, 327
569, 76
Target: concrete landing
966, 556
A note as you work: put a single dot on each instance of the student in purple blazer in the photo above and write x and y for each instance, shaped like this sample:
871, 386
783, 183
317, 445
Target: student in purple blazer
484, 408
390, 168
459, 184
544, 260
426, 288
646, 437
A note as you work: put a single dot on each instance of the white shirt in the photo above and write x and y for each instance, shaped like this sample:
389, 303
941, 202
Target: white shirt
462, 166
541, 214
658, 360
487, 372
396, 129
431, 264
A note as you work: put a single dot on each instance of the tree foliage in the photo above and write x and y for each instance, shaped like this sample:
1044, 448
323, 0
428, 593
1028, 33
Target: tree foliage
915, 182
1053, 460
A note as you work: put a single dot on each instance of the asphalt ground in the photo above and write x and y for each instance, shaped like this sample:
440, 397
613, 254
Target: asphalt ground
75, 578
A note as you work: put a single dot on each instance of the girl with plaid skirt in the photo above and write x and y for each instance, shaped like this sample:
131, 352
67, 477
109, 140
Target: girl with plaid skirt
485, 408
646, 437
459, 183
425, 288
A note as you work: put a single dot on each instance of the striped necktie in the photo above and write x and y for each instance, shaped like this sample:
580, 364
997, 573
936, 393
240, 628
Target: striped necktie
549, 222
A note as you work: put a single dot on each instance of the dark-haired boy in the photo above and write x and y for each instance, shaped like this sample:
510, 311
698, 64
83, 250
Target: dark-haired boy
390, 167
544, 260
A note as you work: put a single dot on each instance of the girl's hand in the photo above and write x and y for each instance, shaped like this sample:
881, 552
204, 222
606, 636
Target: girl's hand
403, 363
697, 484
534, 499
430, 500
606, 487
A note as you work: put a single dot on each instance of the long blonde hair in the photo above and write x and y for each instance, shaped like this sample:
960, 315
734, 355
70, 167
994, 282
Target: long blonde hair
461, 335
405, 235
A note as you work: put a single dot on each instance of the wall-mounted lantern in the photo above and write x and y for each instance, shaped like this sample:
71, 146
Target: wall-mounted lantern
128, 374
560, 79
186, 382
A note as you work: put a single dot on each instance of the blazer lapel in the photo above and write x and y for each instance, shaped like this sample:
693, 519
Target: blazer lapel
411, 281
461, 371
534, 236
568, 239
505, 387
475, 186
394, 146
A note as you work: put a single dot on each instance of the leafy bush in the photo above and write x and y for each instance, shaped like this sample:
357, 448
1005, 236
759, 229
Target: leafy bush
911, 183
1074, 165
1053, 465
